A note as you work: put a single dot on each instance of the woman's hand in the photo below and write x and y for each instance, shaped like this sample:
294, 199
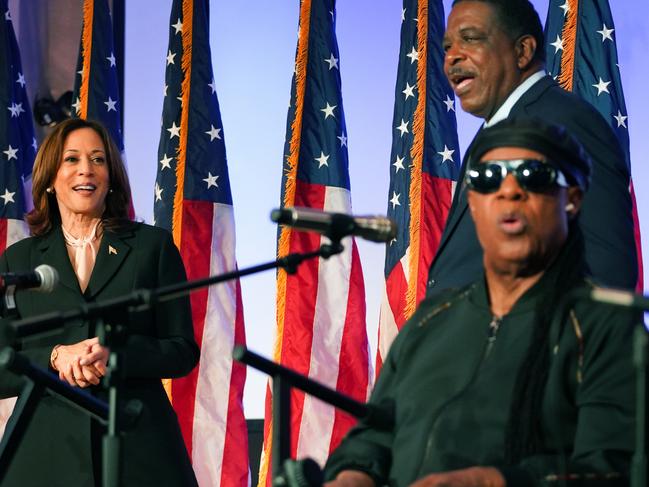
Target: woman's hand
467, 477
81, 364
97, 357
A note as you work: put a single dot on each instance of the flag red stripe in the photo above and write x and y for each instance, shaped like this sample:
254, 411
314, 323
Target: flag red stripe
353, 378
396, 290
197, 216
436, 203
379, 361
396, 287
3, 234
235, 452
301, 295
638, 240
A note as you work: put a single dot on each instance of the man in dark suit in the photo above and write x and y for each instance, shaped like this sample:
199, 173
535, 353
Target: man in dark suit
495, 63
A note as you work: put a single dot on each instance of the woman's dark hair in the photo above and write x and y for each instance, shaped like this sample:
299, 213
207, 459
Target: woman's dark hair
518, 18
45, 214
524, 434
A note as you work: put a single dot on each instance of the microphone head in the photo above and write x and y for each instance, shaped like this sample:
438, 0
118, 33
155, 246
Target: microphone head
49, 278
376, 228
280, 215
303, 218
336, 225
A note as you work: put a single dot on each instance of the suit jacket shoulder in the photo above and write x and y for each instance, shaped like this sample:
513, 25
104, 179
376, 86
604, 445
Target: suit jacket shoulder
20, 250
548, 101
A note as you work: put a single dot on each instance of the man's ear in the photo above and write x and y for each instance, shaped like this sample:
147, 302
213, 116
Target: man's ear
525, 50
575, 197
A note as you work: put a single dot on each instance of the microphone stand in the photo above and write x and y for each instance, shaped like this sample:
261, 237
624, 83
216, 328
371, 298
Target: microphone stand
113, 337
639, 461
284, 472
142, 299
37, 382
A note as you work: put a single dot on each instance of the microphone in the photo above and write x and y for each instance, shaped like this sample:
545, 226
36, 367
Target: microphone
44, 279
336, 225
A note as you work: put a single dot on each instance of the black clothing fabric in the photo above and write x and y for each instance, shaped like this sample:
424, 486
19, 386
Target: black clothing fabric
606, 215
449, 380
561, 149
61, 443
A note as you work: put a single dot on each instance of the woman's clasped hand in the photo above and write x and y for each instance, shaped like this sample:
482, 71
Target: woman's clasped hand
82, 364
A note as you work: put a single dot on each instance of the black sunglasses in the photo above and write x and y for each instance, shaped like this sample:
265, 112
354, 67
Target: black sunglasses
532, 175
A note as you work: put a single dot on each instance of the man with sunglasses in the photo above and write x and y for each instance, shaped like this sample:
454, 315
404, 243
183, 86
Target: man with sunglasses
494, 60
508, 381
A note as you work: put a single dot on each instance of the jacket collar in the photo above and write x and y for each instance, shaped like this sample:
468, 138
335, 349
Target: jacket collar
53, 250
112, 252
505, 109
532, 95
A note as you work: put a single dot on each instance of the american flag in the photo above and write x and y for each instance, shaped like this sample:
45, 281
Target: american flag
17, 150
193, 201
424, 165
96, 91
321, 309
17, 142
581, 52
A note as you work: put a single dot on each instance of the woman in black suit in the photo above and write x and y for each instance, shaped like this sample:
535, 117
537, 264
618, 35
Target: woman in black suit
80, 226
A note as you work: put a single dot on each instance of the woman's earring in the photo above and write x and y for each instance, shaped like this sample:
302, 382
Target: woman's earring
110, 190
50, 190
570, 207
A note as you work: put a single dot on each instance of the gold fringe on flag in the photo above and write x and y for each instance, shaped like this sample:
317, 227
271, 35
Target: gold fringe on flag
283, 246
265, 455
86, 56
569, 38
181, 153
292, 161
417, 158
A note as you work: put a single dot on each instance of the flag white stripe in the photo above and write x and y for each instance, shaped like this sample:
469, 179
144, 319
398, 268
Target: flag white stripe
387, 321
215, 366
387, 325
16, 230
328, 325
